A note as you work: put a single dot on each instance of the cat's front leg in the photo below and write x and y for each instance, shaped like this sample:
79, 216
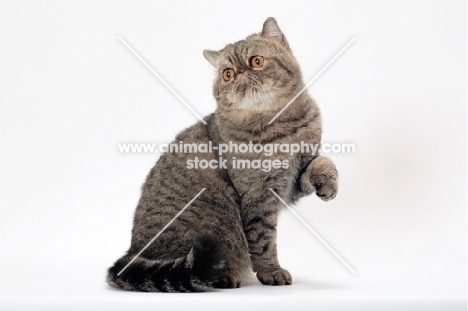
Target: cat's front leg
260, 230
321, 175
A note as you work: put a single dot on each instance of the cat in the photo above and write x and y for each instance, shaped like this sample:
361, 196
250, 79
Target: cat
230, 229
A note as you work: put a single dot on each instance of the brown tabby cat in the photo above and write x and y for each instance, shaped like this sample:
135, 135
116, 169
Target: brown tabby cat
231, 227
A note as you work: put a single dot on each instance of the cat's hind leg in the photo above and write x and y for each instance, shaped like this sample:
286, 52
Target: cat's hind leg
236, 258
227, 279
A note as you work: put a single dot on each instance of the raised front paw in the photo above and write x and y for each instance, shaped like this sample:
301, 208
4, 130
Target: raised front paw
324, 178
326, 187
276, 277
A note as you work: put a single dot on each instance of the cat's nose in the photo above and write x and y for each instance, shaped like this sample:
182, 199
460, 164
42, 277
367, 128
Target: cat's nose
243, 69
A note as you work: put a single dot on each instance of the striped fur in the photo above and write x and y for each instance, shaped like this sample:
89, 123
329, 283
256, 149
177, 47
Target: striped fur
230, 229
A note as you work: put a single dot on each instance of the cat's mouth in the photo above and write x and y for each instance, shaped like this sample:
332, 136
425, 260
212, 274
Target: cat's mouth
249, 93
245, 83
243, 89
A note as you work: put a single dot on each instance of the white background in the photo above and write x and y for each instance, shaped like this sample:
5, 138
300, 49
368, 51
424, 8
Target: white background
71, 91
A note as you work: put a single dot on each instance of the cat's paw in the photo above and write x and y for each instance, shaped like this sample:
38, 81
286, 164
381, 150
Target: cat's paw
276, 277
227, 282
326, 187
324, 178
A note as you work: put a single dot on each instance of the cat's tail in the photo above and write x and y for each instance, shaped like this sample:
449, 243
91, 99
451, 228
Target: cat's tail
194, 272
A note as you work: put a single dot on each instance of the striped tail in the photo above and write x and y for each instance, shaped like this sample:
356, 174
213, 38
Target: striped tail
194, 272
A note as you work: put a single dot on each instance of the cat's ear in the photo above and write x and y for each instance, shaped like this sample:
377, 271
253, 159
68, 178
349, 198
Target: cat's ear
272, 31
212, 56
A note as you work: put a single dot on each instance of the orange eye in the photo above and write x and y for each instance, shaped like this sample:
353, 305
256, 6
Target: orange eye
257, 61
228, 74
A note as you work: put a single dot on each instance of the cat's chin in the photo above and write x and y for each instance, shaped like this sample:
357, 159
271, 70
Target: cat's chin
264, 103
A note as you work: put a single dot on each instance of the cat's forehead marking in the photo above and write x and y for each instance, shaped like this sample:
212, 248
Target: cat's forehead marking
238, 53
235, 53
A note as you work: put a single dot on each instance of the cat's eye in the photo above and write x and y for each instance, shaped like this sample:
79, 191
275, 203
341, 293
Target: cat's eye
228, 74
257, 61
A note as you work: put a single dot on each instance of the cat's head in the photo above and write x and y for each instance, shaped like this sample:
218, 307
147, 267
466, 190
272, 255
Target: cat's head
258, 74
